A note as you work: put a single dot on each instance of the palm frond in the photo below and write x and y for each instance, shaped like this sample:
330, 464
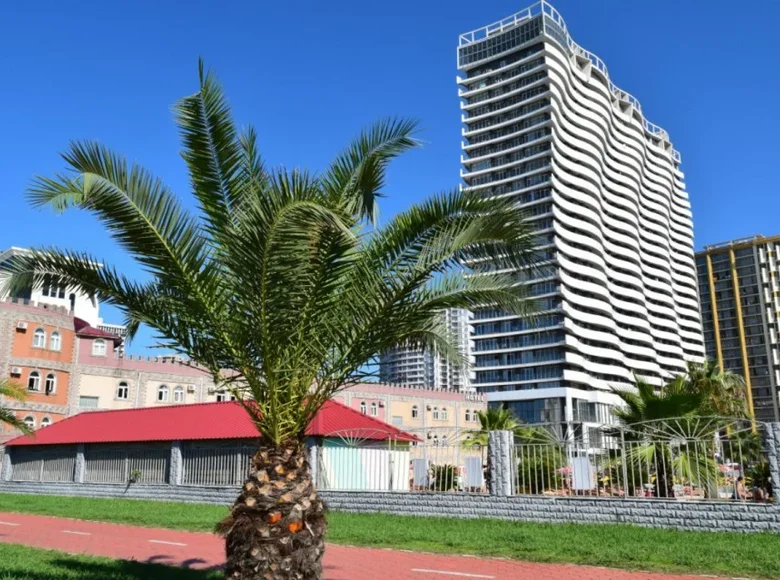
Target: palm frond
212, 150
355, 179
12, 391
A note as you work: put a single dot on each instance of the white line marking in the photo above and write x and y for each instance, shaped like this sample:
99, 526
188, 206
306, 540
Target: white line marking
445, 573
9, 524
77, 533
169, 543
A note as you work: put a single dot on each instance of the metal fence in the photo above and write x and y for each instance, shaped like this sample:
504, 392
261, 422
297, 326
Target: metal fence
437, 460
127, 464
687, 458
216, 466
56, 464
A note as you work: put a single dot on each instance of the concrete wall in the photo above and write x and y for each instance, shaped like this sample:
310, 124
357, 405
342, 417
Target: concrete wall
699, 515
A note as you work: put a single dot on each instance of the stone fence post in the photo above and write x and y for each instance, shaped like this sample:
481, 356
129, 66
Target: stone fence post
5, 466
81, 465
773, 453
501, 451
177, 472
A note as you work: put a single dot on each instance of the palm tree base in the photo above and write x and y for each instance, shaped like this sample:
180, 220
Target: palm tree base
276, 528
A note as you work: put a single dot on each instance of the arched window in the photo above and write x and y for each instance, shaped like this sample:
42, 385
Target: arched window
374, 410
50, 387
98, 347
178, 394
123, 390
468, 416
162, 393
363, 407
415, 412
39, 338
55, 342
436, 413
45, 422
444, 413
29, 420
435, 440
474, 416
34, 381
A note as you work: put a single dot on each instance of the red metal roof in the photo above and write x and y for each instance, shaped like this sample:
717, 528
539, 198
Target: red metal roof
83, 328
199, 421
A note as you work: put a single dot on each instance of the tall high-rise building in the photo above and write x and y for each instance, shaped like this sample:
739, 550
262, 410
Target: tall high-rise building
740, 307
416, 367
545, 124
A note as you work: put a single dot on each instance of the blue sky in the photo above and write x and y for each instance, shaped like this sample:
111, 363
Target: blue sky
310, 74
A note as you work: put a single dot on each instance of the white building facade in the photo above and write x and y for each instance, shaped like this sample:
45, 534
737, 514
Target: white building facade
545, 125
81, 305
420, 368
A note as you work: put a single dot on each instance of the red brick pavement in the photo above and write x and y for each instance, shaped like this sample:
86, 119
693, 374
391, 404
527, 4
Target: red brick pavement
197, 550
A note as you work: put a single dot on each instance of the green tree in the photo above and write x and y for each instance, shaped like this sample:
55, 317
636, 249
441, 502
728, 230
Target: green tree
492, 419
9, 390
540, 454
666, 436
723, 392
284, 278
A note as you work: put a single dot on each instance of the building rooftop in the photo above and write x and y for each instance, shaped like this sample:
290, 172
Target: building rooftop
201, 421
747, 241
83, 328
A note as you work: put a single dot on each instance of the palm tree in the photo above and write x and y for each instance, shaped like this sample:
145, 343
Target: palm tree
539, 453
724, 392
283, 278
666, 432
9, 390
492, 419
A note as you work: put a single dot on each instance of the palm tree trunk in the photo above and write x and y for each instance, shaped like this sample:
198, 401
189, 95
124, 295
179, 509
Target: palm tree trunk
276, 528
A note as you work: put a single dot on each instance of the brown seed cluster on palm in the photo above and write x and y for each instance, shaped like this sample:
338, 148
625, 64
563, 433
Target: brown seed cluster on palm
286, 280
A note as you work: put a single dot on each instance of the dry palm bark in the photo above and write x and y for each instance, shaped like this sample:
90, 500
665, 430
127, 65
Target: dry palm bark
276, 528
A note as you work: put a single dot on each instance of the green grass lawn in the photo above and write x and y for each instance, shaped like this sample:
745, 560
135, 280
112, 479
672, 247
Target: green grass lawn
23, 563
618, 546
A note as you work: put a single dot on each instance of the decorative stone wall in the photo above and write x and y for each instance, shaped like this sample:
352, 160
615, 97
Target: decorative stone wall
698, 515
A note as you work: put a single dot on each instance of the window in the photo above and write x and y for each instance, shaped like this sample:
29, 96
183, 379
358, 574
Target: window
45, 422
123, 391
39, 338
98, 347
178, 394
436, 413
88, 402
363, 407
474, 416
435, 440
55, 343
415, 412
374, 410
397, 420
34, 381
225, 396
50, 387
468, 416
162, 393
29, 420
444, 413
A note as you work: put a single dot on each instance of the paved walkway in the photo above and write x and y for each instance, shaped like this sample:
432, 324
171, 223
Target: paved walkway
202, 551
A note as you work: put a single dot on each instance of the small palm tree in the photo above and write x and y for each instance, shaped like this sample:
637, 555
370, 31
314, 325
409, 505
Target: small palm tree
540, 454
9, 390
666, 436
492, 419
283, 278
